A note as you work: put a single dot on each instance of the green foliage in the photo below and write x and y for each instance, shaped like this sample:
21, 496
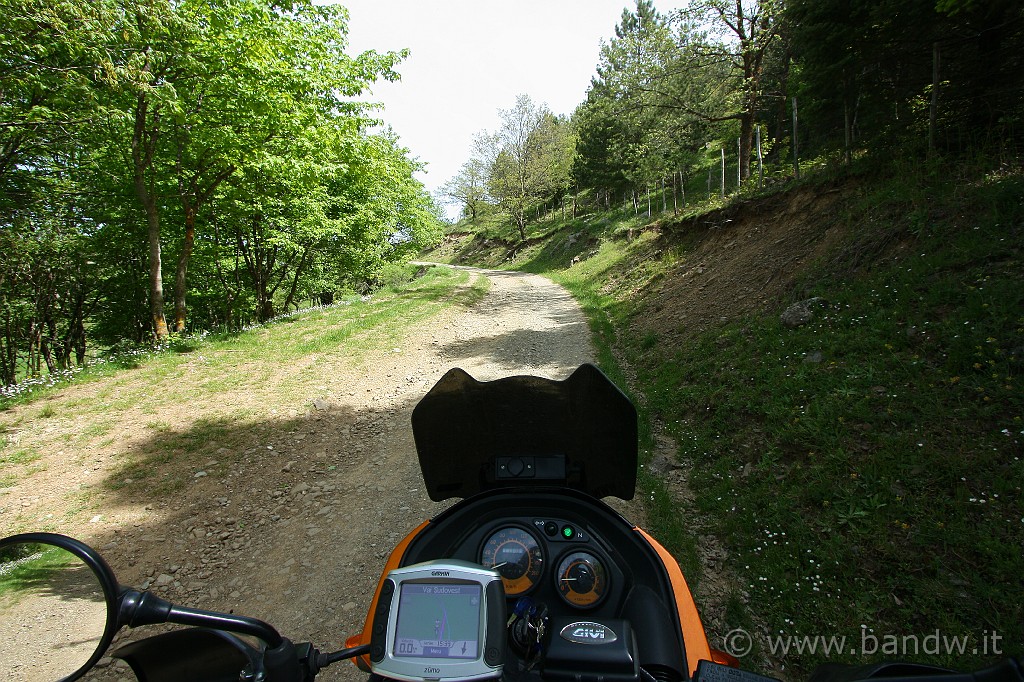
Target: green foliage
528, 160
227, 136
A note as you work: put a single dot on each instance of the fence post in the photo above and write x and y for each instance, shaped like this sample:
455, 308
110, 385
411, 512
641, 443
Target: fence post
739, 163
796, 153
933, 109
721, 191
760, 160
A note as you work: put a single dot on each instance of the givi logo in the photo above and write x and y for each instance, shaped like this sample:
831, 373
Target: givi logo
588, 632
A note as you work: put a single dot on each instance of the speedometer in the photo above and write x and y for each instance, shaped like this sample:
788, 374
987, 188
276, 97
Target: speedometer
515, 554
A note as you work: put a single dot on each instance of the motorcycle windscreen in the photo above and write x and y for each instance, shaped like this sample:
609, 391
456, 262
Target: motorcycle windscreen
520, 431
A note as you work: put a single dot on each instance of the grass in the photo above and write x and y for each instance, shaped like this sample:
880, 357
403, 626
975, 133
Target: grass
139, 421
355, 327
863, 471
879, 478
28, 570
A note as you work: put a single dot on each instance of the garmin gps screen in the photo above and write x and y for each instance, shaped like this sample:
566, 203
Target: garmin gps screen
438, 621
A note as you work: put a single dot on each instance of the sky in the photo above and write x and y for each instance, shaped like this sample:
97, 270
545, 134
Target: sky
470, 58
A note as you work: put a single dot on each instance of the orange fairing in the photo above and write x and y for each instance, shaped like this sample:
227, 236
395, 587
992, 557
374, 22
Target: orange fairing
694, 639
364, 637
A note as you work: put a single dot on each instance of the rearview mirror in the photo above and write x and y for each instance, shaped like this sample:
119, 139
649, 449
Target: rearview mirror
57, 607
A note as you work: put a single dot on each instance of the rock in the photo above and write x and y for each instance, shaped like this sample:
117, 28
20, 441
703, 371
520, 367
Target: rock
662, 463
321, 405
800, 313
200, 474
164, 579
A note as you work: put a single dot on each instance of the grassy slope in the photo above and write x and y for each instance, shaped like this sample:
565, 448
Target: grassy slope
273, 367
864, 470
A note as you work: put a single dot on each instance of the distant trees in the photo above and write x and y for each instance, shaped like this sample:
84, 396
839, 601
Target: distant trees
523, 164
469, 186
680, 91
212, 154
528, 159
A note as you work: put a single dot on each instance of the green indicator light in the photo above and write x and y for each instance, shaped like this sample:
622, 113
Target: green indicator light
568, 532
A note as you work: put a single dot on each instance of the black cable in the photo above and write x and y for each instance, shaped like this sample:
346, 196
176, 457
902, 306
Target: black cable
325, 660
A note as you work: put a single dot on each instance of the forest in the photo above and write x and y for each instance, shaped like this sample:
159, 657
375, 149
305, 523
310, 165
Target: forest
180, 166
730, 96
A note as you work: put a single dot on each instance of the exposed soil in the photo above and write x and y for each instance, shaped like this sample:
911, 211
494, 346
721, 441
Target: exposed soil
741, 260
293, 526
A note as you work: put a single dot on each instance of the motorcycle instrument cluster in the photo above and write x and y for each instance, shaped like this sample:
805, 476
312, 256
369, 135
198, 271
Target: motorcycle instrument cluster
581, 579
515, 554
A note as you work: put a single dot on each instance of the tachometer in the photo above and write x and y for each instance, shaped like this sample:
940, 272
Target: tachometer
581, 579
516, 555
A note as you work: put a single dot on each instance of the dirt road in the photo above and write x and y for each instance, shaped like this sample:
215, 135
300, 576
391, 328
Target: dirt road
295, 530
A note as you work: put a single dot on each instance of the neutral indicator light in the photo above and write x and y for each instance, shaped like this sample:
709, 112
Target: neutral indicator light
568, 532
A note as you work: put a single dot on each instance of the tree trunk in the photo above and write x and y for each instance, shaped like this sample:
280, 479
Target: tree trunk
796, 148
933, 108
191, 200
180, 285
143, 148
299, 269
156, 280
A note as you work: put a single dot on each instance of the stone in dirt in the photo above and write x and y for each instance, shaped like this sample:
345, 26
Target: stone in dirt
800, 313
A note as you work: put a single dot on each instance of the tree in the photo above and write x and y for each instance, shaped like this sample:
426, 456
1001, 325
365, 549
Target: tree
529, 159
59, 62
237, 75
469, 186
321, 213
740, 35
653, 103
131, 132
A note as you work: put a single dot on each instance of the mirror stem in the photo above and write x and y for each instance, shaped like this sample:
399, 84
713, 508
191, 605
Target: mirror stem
145, 608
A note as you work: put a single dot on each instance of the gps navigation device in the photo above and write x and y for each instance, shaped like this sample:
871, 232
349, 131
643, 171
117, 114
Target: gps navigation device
439, 620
